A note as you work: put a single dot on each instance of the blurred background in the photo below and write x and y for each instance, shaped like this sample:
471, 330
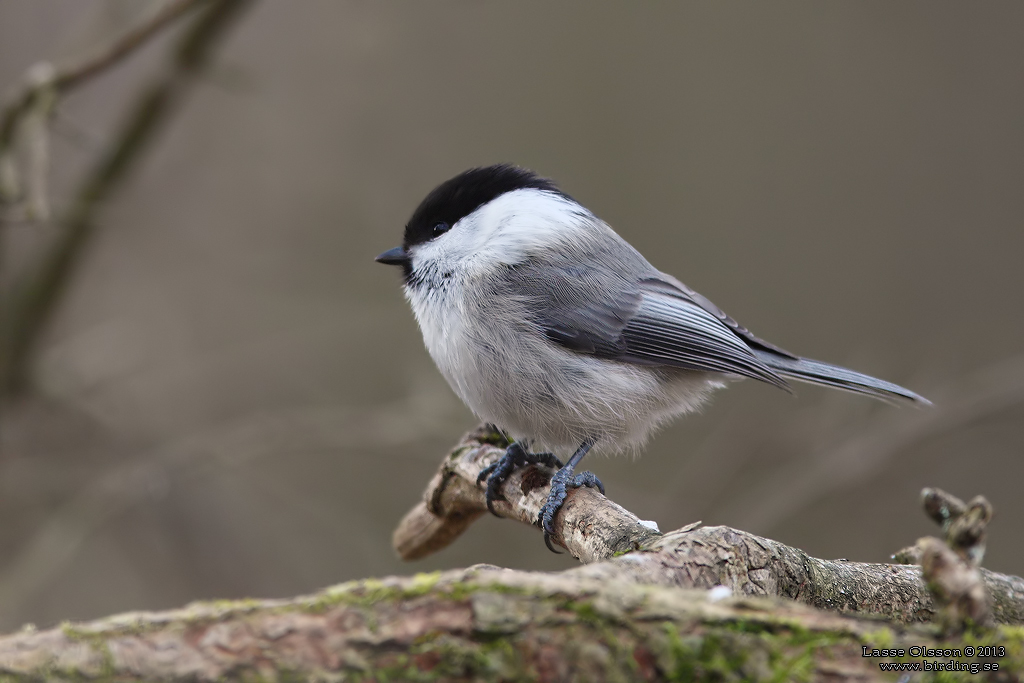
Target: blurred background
233, 399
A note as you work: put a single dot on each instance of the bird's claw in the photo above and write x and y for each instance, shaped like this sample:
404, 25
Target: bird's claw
563, 480
516, 456
588, 479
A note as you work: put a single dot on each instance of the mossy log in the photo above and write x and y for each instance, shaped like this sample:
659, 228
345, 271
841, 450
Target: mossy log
638, 609
486, 623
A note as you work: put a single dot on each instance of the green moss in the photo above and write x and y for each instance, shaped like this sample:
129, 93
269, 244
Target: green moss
586, 612
882, 639
755, 626
492, 437
242, 605
760, 646
1009, 637
714, 655
368, 592
457, 453
97, 642
444, 657
464, 590
743, 650
423, 583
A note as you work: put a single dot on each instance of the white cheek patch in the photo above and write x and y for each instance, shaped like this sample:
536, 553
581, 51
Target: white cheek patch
426, 253
520, 223
506, 230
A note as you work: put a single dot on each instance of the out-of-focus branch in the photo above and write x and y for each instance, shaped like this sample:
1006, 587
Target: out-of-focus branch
598, 532
951, 567
44, 78
34, 297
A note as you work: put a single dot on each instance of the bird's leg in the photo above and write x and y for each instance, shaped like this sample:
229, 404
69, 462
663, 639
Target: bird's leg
516, 455
565, 479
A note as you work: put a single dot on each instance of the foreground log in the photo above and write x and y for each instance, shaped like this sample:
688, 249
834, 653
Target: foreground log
634, 611
486, 623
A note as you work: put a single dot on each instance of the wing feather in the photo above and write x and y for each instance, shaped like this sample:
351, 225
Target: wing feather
671, 329
619, 307
645, 319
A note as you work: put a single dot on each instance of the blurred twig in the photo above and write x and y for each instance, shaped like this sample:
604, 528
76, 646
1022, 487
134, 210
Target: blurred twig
44, 78
951, 568
33, 299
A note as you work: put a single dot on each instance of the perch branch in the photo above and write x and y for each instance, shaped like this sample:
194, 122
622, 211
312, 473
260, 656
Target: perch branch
597, 531
592, 527
619, 617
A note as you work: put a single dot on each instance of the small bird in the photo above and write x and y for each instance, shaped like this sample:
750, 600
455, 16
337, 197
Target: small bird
553, 328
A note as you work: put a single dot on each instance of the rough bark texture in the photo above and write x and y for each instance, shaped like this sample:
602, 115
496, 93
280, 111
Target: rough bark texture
484, 623
594, 528
590, 526
634, 611
750, 565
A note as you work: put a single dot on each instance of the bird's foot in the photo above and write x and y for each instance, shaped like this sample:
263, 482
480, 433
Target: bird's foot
516, 456
563, 480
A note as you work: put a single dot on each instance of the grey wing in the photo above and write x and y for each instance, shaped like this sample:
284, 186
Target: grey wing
671, 328
706, 304
785, 364
645, 319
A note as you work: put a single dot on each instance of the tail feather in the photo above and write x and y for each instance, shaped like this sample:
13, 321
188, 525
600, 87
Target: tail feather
816, 372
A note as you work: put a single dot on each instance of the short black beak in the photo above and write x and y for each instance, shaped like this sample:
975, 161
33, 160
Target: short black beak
394, 257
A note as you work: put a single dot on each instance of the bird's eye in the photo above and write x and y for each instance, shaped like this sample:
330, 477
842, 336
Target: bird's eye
439, 229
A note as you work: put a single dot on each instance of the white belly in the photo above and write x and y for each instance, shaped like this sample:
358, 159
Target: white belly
510, 375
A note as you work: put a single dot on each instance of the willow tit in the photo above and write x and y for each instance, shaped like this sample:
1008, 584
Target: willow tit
550, 326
